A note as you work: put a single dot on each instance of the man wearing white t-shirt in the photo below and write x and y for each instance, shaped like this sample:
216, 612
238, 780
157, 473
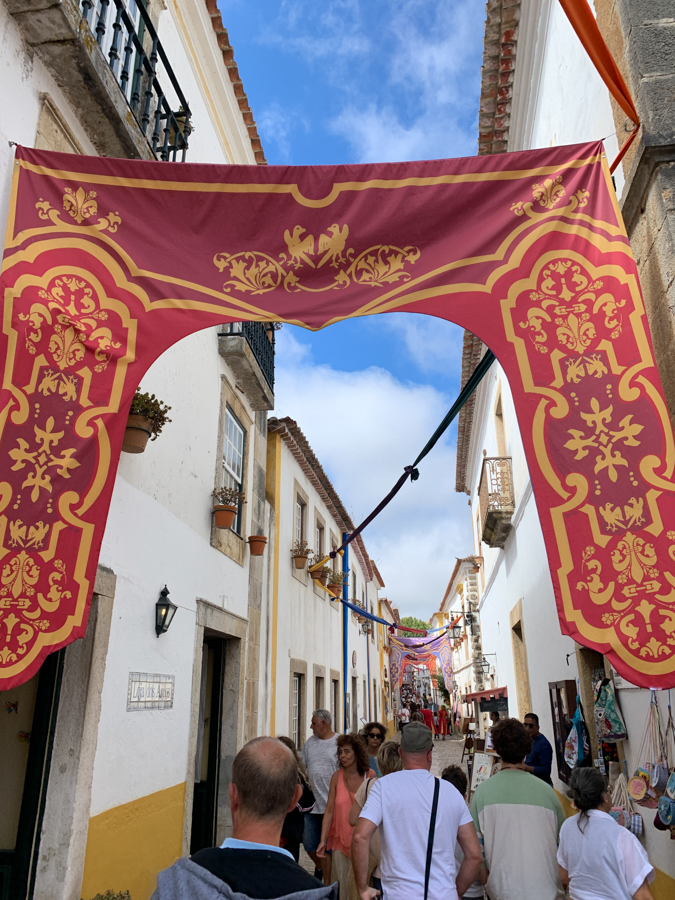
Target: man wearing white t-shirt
400, 804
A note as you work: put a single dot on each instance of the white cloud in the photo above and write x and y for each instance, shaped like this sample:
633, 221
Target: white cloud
319, 31
277, 124
382, 425
434, 345
432, 79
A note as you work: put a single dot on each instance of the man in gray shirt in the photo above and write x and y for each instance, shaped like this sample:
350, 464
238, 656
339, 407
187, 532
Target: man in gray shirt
319, 755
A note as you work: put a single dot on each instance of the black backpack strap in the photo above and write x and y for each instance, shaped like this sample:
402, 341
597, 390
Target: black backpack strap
430, 843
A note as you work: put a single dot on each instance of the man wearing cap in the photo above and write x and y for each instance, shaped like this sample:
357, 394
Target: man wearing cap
401, 806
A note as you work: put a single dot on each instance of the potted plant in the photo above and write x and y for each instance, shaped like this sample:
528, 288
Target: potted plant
147, 417
226, 506
335, 582
321, 574
256, 544
300, 551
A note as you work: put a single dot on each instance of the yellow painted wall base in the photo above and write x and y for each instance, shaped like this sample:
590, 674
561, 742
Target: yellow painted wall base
127, 846
663, 886
566, 804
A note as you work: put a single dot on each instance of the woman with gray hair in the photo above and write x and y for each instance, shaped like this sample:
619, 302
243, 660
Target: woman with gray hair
598, 858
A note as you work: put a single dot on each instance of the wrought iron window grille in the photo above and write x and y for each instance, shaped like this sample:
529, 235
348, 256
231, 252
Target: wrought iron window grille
496, 500
260, 337
136, 72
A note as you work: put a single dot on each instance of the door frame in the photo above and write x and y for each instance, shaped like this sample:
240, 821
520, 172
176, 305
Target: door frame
21, 863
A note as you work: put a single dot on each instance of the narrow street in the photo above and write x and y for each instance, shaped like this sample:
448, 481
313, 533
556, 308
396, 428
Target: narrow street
338, 387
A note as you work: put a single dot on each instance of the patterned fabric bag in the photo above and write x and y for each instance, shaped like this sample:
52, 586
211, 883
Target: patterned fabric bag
651, 760
607, 715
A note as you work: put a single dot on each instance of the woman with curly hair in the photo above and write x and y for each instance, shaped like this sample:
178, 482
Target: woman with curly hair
597, 857
336, 832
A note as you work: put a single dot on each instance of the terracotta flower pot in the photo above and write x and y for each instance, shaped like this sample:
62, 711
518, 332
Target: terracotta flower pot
224, 515
299, 562
335, 589
137, 434
317, 575
256, 544
323, 579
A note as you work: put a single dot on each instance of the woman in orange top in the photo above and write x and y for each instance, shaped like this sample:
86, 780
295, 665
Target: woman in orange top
336, 832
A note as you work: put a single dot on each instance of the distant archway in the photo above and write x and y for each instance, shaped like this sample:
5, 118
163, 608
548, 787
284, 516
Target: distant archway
110, 262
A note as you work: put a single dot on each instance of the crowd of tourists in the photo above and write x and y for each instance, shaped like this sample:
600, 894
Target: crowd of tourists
436, 717
377, 823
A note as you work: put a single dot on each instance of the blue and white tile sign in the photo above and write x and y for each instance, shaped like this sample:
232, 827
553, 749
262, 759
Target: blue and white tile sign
150, 691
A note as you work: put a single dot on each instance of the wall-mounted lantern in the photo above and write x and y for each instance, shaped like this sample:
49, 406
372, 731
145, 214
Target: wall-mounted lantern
456, 632
165, 610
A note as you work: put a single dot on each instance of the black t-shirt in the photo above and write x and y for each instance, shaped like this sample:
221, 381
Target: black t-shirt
260, 874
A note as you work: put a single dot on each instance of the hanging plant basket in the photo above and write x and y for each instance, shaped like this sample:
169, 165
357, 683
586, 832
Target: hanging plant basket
147, 416
256, 544
137, 434
224, 516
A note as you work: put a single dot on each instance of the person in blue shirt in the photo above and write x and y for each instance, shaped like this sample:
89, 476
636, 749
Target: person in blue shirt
539, 759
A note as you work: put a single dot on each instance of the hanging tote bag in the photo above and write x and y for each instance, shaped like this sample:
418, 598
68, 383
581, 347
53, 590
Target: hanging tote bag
651, 761
608, 718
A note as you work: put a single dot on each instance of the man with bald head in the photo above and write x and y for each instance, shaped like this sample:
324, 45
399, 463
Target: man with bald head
250, 864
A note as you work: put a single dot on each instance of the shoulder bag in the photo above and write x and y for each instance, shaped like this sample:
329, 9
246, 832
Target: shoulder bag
430, 842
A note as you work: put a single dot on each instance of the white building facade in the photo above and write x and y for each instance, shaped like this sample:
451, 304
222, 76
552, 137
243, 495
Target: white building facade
320, 655
540, 89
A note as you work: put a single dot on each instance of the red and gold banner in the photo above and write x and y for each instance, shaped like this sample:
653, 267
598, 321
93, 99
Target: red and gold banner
109, 262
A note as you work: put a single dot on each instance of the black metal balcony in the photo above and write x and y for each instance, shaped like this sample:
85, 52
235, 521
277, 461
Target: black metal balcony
127, 37
248, 348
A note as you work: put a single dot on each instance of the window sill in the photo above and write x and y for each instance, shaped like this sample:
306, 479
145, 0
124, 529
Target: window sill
229, 542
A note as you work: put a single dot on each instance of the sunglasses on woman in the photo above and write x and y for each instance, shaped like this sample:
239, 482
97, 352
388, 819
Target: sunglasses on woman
375, 735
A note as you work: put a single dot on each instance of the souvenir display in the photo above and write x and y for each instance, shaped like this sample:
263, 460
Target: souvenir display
622, 807
651, 775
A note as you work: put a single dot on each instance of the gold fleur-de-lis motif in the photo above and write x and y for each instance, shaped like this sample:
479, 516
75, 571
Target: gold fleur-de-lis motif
79, 204
633, 555
549, 192
604, 440
42, 459
18, 574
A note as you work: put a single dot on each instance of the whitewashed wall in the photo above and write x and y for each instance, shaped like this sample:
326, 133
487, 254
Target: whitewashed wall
310, 626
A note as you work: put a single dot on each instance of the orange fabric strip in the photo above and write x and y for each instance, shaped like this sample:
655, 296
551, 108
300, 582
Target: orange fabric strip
583, 21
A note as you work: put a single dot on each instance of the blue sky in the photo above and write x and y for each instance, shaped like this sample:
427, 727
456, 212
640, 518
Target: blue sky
343, 81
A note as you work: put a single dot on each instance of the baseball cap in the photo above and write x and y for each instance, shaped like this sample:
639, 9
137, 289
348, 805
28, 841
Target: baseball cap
416, 738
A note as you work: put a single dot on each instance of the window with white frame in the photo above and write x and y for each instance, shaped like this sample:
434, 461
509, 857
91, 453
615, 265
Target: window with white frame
300, 510
295, 725
320, 540
233, 458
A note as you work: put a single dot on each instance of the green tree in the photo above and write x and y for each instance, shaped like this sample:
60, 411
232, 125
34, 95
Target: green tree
440, 686
412, 622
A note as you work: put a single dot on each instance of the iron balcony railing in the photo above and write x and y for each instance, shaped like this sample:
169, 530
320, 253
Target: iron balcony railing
260, 337
137, 59
496, 500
